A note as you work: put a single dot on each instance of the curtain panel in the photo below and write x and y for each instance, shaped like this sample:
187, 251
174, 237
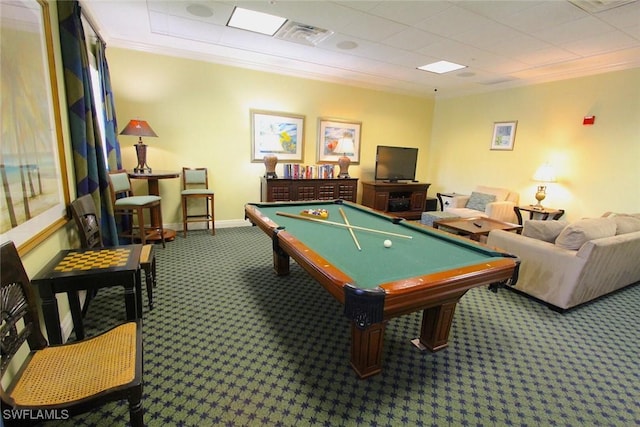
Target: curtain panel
89, 161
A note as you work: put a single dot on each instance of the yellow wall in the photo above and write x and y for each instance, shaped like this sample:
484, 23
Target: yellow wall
597, 166
200, 112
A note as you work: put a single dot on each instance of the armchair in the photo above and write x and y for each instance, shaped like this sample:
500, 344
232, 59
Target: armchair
492, 202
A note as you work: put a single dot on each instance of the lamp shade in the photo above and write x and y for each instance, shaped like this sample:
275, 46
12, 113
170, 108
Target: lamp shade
545, 173
138, 128
345, 145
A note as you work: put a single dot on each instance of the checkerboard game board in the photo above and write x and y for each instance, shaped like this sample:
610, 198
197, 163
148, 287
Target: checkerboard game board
82, 261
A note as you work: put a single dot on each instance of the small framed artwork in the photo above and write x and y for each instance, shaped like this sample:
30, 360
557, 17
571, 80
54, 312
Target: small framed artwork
280, 134
504, 134
338, 138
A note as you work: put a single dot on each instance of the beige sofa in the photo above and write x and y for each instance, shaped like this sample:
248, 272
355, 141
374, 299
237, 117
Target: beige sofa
565, 265
492, 202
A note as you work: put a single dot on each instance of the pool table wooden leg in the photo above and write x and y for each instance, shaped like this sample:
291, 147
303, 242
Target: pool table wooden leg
366, 349
280, 257
436, 323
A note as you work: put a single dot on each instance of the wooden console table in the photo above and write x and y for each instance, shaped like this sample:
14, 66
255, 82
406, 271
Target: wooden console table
284, 189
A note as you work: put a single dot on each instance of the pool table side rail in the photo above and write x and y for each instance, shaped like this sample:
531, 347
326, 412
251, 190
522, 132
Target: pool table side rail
406, 295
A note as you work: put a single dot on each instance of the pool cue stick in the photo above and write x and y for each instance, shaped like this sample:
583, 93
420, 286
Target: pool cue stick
353, 235
337, 224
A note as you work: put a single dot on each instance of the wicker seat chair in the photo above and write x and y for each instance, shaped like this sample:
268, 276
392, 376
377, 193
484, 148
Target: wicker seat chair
125, 203
195, 185
84, 213
63, 380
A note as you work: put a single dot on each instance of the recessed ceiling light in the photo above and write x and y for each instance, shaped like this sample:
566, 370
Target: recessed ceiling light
441, 67
347, 45
200, 10
258, 22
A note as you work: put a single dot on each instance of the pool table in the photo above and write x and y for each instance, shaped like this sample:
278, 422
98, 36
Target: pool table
424, 269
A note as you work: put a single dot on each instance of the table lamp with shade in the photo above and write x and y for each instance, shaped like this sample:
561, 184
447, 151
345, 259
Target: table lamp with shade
345, 145
544, 174
140, 128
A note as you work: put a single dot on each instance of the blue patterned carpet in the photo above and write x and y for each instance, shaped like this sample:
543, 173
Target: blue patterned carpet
230, 344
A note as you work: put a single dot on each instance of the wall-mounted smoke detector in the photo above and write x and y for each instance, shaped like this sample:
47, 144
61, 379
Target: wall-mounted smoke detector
302, 33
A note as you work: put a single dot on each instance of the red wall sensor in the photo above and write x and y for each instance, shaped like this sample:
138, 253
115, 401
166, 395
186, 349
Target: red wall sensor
588, 120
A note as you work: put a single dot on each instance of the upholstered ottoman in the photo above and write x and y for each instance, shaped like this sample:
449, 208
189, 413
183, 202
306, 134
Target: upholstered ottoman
429, 217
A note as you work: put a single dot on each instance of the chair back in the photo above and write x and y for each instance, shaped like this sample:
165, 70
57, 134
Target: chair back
84, 213
120, 181
119, 185
194, 177
18, 306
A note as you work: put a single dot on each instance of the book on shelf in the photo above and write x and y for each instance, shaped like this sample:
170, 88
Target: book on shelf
298, 171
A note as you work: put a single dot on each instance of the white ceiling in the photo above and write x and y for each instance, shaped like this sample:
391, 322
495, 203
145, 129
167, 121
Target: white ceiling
503, 43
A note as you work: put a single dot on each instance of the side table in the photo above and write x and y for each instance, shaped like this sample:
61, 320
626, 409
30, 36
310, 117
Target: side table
545, 213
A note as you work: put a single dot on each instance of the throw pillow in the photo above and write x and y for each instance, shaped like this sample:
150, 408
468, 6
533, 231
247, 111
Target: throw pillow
626, 224
546, 231
478, 201
576, 234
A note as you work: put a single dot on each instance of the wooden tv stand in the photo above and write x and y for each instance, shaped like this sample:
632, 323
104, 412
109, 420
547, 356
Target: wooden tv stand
403, 199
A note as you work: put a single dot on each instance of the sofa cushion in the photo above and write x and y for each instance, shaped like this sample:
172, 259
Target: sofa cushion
626, 224
577, 233
546, 231
479, 201
501, 194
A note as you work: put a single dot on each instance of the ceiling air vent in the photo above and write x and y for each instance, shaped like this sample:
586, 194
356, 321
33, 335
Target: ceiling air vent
301, 33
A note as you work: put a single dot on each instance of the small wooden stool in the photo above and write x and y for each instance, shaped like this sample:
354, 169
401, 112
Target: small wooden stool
148, 264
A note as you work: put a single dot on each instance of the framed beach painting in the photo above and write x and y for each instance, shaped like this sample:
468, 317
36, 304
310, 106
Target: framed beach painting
35, 190
504, 135
337, 138
279, 134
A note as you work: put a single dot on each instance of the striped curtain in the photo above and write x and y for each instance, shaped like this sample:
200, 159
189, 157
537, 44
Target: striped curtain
114, 159
88, 155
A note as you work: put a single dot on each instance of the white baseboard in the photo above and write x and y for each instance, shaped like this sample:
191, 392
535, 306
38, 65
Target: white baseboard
228, 223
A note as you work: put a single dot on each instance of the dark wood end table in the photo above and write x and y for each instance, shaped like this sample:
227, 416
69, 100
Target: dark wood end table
533, 210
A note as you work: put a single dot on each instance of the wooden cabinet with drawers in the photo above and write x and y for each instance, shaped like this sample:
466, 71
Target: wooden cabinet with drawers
283, 190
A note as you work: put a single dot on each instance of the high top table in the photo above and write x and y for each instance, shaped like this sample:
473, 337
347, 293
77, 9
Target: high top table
153, 186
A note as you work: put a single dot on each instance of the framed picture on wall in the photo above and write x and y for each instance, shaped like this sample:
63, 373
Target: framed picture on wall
504, 135
337, 138
33, 171
279, 134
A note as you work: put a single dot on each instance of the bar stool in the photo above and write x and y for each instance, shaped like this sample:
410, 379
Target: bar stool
126, 204
195, 185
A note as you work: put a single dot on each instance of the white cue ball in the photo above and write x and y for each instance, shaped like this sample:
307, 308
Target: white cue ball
387, 243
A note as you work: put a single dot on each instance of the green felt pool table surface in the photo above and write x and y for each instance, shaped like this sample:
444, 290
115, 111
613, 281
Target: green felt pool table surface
428, 251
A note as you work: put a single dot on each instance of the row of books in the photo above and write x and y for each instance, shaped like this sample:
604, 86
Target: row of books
298, 171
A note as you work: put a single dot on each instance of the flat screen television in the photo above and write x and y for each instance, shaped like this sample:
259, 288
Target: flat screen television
395, 164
